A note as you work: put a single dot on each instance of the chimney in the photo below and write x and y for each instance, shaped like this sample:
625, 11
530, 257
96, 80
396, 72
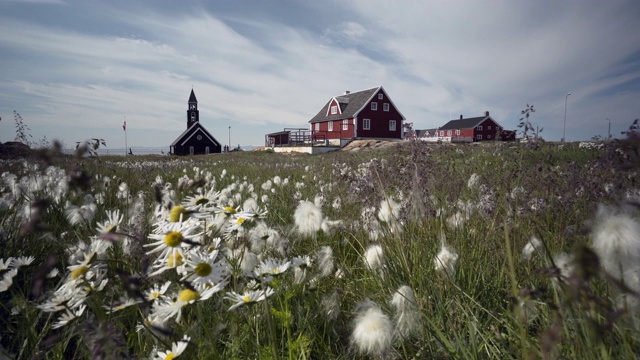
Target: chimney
486, 113
461, 117
347, 92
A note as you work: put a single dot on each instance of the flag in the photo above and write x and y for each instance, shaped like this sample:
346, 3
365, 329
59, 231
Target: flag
124, 125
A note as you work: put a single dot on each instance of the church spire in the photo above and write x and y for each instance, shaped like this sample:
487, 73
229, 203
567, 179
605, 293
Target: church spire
193, 115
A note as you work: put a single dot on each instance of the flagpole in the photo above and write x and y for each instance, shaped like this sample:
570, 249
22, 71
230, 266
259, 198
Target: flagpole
124, 127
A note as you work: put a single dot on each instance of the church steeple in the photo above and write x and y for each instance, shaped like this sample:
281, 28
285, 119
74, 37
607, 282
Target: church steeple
193, 115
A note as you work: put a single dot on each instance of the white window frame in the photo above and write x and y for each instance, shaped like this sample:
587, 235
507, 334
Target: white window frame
441, 133
317, 126
334, 109
345, 124
330, 126
374, 106
479, 128
366, 124
458, 132
392, 125
479, 137
448, 132
380, 96
385, 107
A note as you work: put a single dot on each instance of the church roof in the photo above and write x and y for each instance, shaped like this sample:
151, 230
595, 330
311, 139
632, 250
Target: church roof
192, 97
196, 128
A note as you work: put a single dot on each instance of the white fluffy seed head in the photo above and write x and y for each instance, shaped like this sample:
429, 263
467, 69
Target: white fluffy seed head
308, 218
373, 331
445, 261
374, 257
616, 240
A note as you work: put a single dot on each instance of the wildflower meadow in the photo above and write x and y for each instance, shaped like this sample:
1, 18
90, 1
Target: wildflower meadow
415, 251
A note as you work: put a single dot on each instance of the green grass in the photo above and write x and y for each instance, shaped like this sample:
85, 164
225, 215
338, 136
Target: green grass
471, 314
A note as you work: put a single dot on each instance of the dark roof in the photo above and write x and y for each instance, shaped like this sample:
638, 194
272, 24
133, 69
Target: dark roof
192, 97
465, 123
187, 134
350, 104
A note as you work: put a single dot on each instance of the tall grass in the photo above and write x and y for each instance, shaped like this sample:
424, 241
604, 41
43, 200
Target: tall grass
484, 203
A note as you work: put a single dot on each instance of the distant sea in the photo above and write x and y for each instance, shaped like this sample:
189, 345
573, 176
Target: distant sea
140, 150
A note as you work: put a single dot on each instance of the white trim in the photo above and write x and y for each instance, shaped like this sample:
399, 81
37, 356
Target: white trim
366, 122
330, 126
374, 106
385, 107
380, 96
392, 125
479, 137
317, 126
345, 124
458, 132
334, 109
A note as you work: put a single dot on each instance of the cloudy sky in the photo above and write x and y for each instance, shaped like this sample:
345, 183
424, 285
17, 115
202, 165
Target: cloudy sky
75, 69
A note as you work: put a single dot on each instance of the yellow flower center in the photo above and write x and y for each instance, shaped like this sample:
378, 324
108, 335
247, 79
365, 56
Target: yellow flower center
155, 294
187, 295
202, 201
240, 221
112, 229
173, 239
174, 261
203, 269
169, 356
176, 211
275, 270
229, 210
246, 298
79, 271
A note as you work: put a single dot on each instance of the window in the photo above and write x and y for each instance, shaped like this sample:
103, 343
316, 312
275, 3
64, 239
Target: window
190, 150
345, 124
441, 132
458, 132
479, 128
330, 125
366, 124
479, 137
385, 106
317, 126
448, 132
374, 106
380, 96
392, 125
489, 127
193, 116
334, 110
206, 150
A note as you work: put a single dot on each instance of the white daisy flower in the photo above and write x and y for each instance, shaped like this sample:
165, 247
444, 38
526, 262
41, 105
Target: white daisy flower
68, 316
177, 348
156, 291
272, 267
251, 296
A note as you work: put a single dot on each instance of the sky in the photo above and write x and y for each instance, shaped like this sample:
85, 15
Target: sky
74, 70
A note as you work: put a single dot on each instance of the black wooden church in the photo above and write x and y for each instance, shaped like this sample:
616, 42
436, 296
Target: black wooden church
196, 139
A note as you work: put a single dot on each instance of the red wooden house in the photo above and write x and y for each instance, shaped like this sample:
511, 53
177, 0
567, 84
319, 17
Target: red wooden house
358, 115
471, 129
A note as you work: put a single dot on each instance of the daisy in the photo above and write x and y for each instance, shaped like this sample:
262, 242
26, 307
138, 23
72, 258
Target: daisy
176, 349
202, 270
123, 303
5, 264
68, 316
202, 202
272, 267
110, 226
251, 296
156, 291
171, 241
7, 280
166, 310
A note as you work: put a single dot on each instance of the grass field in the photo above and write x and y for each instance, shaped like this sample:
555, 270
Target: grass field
412, 252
